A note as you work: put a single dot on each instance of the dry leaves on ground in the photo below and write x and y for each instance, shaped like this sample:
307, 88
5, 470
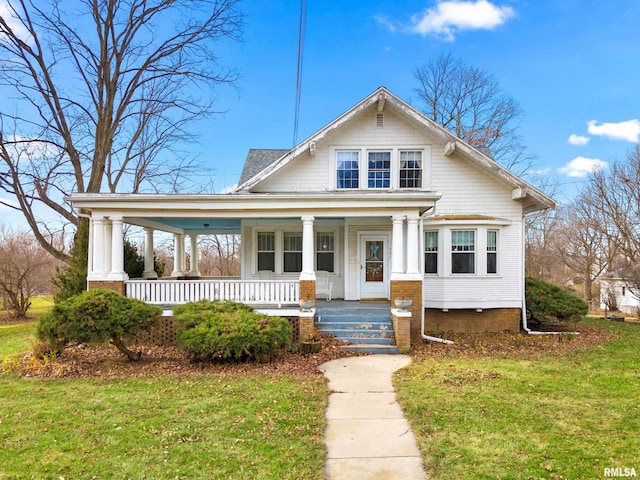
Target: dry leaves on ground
106, 362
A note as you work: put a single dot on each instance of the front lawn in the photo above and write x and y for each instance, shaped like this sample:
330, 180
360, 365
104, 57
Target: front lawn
16, 339
528, 415
231, 427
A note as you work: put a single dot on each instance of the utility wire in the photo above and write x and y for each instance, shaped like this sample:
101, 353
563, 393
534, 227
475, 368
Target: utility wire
302, 26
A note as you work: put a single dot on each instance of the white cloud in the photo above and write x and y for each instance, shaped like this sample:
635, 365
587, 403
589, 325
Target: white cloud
540, 172
451, 16
14, 24
6, 204
629, 130
581, 166
578, 139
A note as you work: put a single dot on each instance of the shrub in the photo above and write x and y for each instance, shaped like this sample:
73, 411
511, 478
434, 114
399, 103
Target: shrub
97, 316
545, 300
228, 331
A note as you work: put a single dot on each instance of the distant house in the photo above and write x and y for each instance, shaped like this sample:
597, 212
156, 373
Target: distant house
614, 290
382, 204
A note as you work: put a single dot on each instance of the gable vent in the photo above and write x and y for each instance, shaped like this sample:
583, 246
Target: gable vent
379, 120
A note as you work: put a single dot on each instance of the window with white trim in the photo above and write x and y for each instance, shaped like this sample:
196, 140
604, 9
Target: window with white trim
379, 170
347, 170
431, 252
492, 251
463, 248
411, 169
292, 252
325, 251
266, 251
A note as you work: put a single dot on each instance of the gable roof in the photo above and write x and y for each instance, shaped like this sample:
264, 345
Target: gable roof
533, 199
257, 160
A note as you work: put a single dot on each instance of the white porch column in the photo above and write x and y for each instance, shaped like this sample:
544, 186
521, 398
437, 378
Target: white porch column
90, 252
308, 270
413, 260
117, 247
98, 246
397, 245
108, 245
193, 270
178, 255
149, 267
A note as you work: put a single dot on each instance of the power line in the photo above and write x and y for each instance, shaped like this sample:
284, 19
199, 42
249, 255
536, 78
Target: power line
302, 26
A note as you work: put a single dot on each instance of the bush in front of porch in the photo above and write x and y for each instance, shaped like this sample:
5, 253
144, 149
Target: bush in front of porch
214, 330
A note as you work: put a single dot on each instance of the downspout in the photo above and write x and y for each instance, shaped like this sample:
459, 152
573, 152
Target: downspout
525, 327
427, 337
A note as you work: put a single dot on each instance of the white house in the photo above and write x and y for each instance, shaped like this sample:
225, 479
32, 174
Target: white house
616, 290
387, 202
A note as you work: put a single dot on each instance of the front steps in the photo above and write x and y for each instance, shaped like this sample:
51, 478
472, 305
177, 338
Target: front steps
366, 329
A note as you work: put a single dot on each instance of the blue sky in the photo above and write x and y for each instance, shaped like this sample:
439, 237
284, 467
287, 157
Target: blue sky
572, 65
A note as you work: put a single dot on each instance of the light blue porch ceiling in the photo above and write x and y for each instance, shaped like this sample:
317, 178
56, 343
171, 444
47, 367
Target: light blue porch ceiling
218, 225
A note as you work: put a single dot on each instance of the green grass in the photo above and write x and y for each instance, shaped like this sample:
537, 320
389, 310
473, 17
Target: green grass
522, 417
40, 305
204, 427
16, 339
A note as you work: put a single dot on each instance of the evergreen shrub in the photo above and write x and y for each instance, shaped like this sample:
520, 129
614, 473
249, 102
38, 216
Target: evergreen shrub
213, 330
545, 300
97, 316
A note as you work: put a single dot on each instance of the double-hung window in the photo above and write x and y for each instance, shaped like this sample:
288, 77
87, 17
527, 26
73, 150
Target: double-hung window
492, 251
266, 251
347, 169
430, 252
463, 247
325, 251
292, 252
379, 172
410, 169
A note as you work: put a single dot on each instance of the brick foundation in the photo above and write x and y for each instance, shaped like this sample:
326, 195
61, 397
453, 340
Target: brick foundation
468, 321
410, 290
115, 285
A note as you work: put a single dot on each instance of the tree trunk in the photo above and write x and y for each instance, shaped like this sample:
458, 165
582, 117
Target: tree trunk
133, 356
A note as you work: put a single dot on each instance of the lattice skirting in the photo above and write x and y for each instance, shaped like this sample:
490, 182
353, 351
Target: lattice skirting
163, 333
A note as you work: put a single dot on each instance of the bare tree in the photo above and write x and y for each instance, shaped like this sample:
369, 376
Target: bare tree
103, 93
614, 196
583, 244
542, 245
25, 270
468, 102
220, 256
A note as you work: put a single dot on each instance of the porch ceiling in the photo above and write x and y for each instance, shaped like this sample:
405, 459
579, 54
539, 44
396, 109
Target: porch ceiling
217, 225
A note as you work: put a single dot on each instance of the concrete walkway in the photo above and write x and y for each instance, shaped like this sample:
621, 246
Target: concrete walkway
367, 436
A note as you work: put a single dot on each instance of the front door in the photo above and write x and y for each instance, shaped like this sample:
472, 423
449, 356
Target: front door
374, 277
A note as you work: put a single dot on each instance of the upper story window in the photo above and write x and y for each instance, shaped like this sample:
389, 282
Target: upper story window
463, 248
325, 251
431, 252
411, 169
492, 251
267, 251
379, 172
348, 171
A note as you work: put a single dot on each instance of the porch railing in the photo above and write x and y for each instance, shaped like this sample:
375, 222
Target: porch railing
252, 292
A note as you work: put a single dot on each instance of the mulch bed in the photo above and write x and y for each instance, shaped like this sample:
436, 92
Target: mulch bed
105, 362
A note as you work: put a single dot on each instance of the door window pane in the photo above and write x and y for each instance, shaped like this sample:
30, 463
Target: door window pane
374, 261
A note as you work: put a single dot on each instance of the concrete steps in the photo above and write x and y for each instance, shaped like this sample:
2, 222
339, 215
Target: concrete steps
365, 329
